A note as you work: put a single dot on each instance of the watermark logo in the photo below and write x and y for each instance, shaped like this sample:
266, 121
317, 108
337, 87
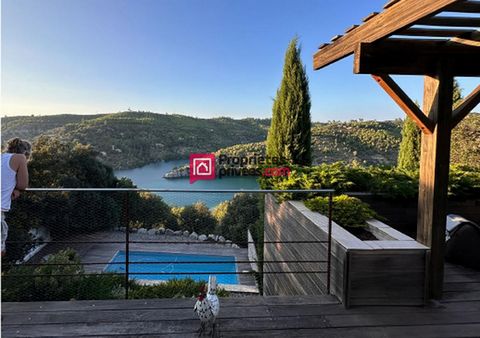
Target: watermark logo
202, 167
208, 167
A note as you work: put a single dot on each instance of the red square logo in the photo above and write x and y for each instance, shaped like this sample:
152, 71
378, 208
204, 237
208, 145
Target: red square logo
202, 167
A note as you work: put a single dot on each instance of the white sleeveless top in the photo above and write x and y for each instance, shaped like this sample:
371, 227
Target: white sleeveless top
9, 181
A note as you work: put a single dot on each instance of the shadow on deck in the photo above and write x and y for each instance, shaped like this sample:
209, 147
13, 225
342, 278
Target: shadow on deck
457, 315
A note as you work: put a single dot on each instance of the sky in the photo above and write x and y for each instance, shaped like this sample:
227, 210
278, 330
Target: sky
203, 58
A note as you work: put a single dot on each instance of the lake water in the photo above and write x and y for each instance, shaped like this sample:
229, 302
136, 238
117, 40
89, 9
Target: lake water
151, 177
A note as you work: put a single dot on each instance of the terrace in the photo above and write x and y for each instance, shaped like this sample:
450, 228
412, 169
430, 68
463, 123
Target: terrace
446, 300
457, 315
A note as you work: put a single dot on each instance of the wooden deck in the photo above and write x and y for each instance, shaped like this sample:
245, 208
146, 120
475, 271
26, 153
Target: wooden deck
458, 315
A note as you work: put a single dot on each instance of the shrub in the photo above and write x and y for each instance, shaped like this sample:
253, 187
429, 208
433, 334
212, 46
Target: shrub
464, 182
20, 284
240, 215
196, 217
174, 288
347, 211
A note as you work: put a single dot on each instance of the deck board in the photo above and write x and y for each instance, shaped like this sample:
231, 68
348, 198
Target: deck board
306, 316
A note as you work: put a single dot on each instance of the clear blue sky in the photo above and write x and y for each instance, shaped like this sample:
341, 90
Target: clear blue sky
197, 57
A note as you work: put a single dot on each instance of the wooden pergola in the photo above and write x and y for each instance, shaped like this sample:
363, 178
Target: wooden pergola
438, 39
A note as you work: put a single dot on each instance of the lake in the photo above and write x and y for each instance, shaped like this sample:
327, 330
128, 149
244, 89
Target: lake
151, 177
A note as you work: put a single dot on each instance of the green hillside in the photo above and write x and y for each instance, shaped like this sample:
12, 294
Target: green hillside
132, 139
373, 142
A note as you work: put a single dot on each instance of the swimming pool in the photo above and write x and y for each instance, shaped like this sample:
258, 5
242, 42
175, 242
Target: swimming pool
173, 266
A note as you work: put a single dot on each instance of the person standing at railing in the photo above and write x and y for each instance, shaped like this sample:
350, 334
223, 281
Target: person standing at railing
14, 177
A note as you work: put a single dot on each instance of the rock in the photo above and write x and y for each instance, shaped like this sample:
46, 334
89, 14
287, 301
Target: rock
235, 246
193, 235
152, 231
178, 233
133, 230
169, 232
202, 237
186, 233
211, 236
160, 231
221, 239
228, 242
142, 231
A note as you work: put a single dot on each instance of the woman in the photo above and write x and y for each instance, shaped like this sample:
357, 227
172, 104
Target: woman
14, 177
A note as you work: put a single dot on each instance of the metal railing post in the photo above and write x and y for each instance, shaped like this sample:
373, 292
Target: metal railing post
127, 243
329, 249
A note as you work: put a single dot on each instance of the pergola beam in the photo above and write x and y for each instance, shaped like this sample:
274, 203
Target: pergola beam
464, 7
465, 107
389, 57
404, 102
450, 21
399, 16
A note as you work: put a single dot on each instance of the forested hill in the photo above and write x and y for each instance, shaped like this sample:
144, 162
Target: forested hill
373, 142
132, 139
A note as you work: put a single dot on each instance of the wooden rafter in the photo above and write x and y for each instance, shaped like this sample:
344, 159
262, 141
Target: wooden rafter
436, 32
464, 7
466, 107
395, 18
404, 102
389, 57
450, 21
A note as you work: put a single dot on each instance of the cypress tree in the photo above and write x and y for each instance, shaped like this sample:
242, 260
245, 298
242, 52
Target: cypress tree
409, 153
290, 135
457, 94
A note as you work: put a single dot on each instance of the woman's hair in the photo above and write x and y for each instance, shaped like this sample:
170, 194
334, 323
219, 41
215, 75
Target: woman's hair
18, 146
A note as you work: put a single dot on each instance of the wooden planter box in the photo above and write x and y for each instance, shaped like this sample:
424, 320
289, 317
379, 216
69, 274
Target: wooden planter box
390, 271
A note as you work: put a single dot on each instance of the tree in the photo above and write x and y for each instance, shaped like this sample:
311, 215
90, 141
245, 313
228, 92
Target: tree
457, 94
195, 217
409, 153
289, 136
242, 213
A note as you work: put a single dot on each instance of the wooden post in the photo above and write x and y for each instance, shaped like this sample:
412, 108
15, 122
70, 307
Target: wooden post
434, 168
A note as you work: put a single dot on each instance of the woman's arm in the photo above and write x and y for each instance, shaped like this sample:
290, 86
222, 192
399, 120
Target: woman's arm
19, 164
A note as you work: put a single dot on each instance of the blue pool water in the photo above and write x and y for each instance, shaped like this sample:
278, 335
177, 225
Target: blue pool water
176, 270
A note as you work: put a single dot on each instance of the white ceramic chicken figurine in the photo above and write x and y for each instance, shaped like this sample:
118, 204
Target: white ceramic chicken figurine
207, 306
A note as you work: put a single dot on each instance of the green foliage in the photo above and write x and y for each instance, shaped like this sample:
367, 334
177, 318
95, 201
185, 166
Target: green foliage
364, 142
220, 211
241, 214
464, 182
391, 182
196, 217
19, 285
349, 212
457, 94
174, 288
409, 153
150, 210
56, 163
465, 149
289, 136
